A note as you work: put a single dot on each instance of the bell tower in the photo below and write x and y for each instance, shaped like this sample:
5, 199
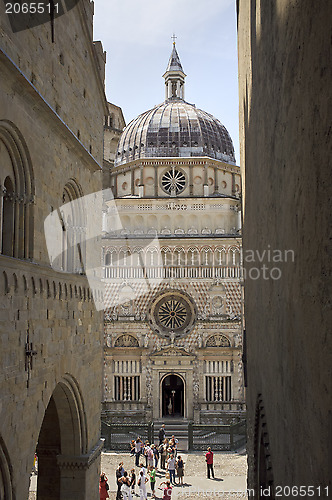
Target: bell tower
174, 76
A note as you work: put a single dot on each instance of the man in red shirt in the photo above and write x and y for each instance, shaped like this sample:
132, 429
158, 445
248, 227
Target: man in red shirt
209, 463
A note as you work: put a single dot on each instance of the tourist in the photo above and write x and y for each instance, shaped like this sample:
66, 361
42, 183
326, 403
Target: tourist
118, 476
167, 490
125, 488
152, 474
209, 463
150, 455
138, 449
156, 455
103, 487
142, 486
132, 481
163, 454
162, 434
142, 469
175, 445
180, 469
132, 448
171, 468
145, 452
121, 468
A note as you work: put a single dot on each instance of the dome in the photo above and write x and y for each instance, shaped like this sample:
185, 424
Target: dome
175, 128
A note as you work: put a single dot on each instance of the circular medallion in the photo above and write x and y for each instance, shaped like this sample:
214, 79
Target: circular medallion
173, 181
172, 311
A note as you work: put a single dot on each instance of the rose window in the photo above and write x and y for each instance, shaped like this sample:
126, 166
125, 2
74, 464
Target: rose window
172, 312
173, 181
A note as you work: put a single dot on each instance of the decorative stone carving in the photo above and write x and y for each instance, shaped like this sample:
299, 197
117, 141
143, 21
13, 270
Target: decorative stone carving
126, 341
149, 383
196, 382
218, 340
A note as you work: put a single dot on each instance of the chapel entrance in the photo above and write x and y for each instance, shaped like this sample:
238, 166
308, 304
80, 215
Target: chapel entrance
172, 396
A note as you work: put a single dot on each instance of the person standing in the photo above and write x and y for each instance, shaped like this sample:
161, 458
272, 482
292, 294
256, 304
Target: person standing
118, 476
171, 469
125, 488
162, 434
156, 455
142, 486
138, 448
150, 455
103, 492
179, 468
163, 454
152, 474
132, 481
209, 463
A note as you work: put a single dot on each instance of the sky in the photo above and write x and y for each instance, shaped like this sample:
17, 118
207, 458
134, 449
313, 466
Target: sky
136, 36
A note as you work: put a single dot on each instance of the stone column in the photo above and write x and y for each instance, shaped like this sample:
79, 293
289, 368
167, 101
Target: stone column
216, 186
79, 475
48, 485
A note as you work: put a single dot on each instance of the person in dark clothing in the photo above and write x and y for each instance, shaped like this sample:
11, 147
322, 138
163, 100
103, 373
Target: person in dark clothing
162, 434
209, 463
118, 475
132, 481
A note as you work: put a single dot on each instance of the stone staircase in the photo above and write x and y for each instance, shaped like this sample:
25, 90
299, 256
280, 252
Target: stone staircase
176, 426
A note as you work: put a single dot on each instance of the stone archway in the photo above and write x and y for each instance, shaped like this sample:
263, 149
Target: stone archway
6, 491
61, 447
172, 396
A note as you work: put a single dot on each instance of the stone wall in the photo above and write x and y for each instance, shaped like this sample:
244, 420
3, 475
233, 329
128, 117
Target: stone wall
67, 73
51, 347
285, 110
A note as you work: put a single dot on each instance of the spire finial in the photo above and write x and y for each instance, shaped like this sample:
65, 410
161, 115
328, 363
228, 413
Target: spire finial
174, 38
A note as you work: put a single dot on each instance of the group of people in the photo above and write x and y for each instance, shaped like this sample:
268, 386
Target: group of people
148, 457
126, 484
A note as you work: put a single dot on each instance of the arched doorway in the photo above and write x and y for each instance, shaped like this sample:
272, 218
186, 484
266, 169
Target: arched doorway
61, 444
172, 392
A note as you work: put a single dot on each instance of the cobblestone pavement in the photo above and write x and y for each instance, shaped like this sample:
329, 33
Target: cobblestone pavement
230, 476
229, 483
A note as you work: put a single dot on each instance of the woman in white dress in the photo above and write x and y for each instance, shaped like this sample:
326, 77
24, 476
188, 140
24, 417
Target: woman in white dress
142, 486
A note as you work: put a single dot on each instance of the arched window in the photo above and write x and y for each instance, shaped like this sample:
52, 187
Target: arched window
17, 192
8, 218
193, 257
73, 221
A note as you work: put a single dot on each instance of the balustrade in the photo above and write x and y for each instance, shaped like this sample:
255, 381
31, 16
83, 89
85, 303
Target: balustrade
162, 272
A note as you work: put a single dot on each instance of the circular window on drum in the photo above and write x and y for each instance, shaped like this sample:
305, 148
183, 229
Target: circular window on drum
172, 311
173, 181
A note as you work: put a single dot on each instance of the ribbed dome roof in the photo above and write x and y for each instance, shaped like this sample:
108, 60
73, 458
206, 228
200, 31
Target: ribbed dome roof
175, 128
